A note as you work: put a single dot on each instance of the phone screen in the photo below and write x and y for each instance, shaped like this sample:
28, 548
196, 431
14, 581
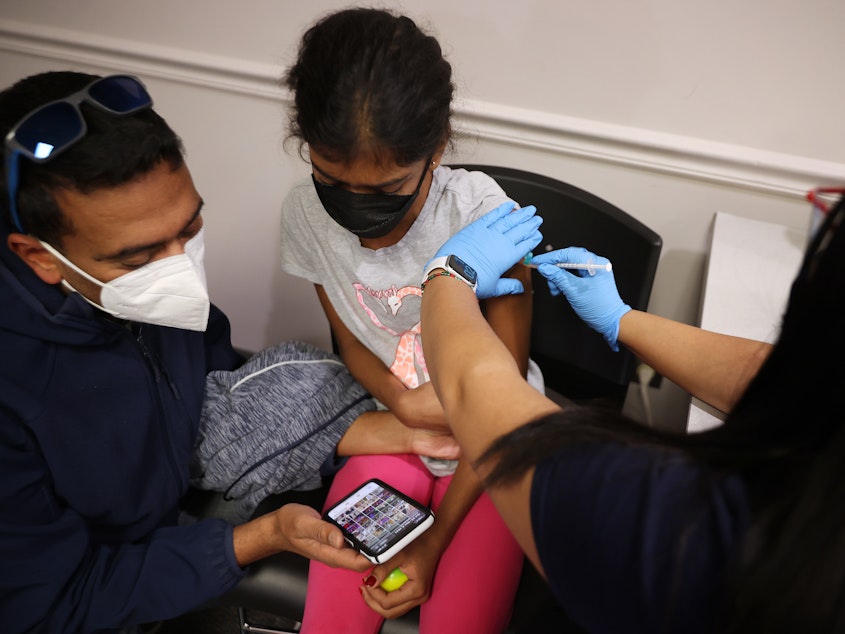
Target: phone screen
377, 516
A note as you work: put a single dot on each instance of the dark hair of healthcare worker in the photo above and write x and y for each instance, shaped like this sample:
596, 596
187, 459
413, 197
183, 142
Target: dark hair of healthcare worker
735, 529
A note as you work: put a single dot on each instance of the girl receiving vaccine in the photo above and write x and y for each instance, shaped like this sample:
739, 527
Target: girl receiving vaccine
372, 104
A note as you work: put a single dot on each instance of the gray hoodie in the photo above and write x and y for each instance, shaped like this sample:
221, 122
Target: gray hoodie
273, 424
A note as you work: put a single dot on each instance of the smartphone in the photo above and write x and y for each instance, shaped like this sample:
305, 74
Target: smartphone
378, 521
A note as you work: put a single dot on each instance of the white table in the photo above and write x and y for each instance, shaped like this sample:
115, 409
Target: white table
750, 270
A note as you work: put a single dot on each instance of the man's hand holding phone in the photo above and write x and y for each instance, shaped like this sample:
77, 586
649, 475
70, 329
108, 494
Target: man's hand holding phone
305, 533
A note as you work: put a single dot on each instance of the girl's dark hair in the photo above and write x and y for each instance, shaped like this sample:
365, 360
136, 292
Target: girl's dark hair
785, 438
115, 150
370, 83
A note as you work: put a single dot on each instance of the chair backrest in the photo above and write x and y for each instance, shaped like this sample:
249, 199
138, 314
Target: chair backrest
575, 360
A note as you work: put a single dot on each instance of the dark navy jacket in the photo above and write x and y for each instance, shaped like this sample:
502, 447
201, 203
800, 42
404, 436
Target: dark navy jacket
97, 425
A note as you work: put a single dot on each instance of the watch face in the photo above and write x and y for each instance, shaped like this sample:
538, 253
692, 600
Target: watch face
463, 269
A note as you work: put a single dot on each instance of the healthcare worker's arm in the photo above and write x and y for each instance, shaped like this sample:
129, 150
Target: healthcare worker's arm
714, 367
482, 391
417, 407
509, 318
479, 384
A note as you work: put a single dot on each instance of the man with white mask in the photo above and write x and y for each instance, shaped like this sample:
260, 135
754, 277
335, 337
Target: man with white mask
106, 338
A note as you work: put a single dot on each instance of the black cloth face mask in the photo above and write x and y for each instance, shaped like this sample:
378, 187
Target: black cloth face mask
366, 215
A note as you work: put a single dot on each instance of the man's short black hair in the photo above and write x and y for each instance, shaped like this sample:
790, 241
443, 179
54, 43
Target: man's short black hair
114, 151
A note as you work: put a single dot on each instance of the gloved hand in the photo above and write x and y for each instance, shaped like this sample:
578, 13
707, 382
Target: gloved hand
493, 244
594, 298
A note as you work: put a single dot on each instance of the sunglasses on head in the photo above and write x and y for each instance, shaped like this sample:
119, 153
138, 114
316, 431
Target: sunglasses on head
52, 128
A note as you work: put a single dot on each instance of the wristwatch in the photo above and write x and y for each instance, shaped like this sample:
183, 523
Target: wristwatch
454, 267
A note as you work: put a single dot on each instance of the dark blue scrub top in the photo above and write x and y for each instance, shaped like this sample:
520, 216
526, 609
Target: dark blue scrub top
635, 539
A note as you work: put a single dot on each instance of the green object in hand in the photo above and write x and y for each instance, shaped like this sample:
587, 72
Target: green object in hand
394, 580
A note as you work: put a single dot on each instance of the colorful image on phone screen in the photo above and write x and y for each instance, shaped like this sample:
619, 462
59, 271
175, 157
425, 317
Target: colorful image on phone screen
376, 516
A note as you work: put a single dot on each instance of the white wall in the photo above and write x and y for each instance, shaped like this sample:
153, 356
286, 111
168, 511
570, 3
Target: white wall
671, 110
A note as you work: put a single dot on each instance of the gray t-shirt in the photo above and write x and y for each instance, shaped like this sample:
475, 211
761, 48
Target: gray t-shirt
376, 293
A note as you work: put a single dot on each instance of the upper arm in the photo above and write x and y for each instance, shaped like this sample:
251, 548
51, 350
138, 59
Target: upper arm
513, 502
342, 335
478, 418
362, 363
300, 234
510, 317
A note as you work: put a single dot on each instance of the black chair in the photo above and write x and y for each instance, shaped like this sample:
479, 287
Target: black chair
576, 363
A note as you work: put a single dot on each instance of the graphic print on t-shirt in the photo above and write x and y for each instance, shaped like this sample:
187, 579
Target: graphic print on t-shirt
397, 311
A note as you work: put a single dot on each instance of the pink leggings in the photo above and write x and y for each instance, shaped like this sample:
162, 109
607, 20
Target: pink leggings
482, 547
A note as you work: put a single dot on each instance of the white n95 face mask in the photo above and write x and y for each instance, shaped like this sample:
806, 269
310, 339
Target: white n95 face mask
168, 292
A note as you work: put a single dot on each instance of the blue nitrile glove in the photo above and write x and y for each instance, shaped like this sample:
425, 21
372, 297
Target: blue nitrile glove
493, 244
594, 298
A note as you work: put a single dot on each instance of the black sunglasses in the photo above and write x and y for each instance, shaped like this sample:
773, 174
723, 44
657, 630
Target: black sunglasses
52, 128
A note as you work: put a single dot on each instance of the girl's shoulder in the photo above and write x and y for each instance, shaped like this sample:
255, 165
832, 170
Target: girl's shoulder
465, 195
301, 210
301, 195
468, 183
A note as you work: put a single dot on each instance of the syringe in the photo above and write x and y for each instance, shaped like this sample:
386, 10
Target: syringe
590, 267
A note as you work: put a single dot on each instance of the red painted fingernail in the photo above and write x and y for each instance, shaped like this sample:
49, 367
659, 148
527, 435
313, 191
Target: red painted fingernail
370, 581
